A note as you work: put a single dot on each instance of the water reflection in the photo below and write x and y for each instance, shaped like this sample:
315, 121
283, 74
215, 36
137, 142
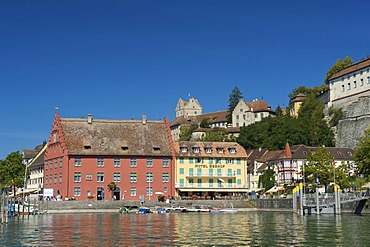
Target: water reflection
240, 229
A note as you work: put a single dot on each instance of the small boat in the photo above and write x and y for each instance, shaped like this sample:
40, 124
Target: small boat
144, 210
228, 210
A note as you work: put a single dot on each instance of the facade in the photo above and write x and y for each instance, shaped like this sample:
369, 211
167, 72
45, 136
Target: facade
295, 104
347, 85
188, 108
36, 170
289, 163
246, 113
83, 156
210, 169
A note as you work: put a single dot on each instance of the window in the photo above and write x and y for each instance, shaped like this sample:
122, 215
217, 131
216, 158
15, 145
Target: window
237, 117
239, 181
232, 150
191, 160
349, 86
181, 171
77, 177
208, 150
51, 164
191, 182
78, 161
149, 191
239, 171
238, 161
218, 160
46, 179
77, 191
229, 172
342, 88
199, 171
133, 177
100, 162
133, 191
133, 162
181, 182
191, 171
198, 160
210, 160
218, 171
196, 150
55, 178
368, 79
117, 162
165, 162
165, 189
229, 161
100, 177
183, 149
149, 162
56, 163
46, 165
241, 110
149, 177
211, 183
199, 182
354, 84
361, 82
117, 177
210, 171
60, 162
165, 177
181, 160
60, 178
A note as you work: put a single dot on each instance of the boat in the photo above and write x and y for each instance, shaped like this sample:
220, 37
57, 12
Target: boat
228, 210
144, 210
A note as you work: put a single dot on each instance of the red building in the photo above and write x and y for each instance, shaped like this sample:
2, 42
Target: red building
85, 155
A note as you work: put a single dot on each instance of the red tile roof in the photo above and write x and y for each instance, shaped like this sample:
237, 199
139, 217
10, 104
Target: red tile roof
354, 67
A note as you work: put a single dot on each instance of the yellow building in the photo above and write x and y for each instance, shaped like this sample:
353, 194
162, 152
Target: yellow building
210, 169
295, 104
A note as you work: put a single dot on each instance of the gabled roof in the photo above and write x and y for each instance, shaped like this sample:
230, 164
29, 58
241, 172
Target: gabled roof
259, 106
115, 137
353, 68
192, 120
226, 146
214, 117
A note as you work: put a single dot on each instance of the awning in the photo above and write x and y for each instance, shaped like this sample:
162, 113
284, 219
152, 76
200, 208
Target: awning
275, 189
231, 190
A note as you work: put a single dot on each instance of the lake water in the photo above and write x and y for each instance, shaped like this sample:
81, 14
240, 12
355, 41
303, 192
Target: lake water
187, 229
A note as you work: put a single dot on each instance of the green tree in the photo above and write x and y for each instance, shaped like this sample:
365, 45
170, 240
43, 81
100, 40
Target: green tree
216, 135
12, 170
320, 165
267, 179
312, 125
338, 66
234, 98
362, 154
336, 114
204, 123
185, 131
112, 187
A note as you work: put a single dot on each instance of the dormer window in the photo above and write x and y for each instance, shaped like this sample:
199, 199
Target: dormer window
338, 152
220, 150
87, 146
196, 149
156, 149
183, 149
208, 150
124, 148
349, 153
232, 150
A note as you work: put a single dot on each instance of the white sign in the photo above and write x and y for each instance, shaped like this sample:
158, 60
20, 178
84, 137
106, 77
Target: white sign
48, 192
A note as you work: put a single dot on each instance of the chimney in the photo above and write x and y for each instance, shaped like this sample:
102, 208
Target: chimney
89, 118
143, 117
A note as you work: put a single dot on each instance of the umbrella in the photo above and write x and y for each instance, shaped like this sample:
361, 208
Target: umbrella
159, 193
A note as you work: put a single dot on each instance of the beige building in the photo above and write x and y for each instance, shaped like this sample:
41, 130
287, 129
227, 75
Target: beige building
34, 161
246, 113
347, 85
188, 108
212, 169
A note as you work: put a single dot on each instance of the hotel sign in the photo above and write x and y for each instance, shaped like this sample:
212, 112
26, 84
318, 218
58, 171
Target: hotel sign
209, 166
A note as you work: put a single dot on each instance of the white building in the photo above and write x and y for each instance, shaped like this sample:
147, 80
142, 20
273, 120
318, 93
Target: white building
347, 85
246, 113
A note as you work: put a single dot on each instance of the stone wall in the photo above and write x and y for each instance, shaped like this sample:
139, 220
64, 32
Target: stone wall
355, 121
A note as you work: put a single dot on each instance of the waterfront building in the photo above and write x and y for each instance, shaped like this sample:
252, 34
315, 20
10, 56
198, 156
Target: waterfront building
210, 169
289, 163
35, 168
246, 113
84, 155
347, 85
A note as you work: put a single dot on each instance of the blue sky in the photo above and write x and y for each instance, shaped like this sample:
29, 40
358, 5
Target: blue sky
122, 59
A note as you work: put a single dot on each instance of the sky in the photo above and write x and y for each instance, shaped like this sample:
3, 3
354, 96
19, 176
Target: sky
121, 59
